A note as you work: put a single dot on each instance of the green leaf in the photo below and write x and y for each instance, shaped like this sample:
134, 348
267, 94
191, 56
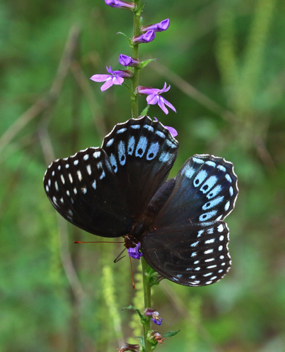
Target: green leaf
145, 111
145, 63
130, 307
128, 39
170, 333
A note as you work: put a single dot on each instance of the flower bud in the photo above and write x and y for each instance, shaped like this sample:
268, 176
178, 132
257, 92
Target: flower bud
125, 60
157, 27
144, 38
119, 4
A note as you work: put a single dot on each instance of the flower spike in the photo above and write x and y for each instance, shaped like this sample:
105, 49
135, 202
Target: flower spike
153, 97
157, 27
144, 38
125, 60
119, 4
115, 77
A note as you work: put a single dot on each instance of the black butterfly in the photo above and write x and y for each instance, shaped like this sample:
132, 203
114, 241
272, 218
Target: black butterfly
120, 190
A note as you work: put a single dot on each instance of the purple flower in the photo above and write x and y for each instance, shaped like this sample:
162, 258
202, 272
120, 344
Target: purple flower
119, 4
144, 38
115, 77
172, 130
125, 60
157, 27
154, 314
153, 97
157, 321
135, 252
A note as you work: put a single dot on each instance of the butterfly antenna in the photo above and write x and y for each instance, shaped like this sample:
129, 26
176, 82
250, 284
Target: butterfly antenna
119, 256
95, 242
133, 280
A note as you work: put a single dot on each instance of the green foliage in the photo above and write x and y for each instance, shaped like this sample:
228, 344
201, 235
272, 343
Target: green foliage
229, 60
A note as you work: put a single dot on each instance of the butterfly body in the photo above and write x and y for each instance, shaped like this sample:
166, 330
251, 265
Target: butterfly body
120, 189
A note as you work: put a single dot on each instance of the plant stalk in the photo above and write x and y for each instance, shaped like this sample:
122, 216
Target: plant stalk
147, 304
135, 55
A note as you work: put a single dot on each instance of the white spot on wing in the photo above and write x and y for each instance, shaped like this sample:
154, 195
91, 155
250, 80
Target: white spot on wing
164, 157
210, 163
228, 178
152, 151
88, 167
122, 153
122, 130
197, 160
79, 175
222, 168
141, 147
110, 142
114, 163
212, 203
148, 127
188, 171
200, 178
207, 216
210, 182
86, 157
220, 228
131, 145
214, 192
227, 206
160, 134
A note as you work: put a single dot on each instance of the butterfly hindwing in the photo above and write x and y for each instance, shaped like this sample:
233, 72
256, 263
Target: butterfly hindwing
190, 255
205, 190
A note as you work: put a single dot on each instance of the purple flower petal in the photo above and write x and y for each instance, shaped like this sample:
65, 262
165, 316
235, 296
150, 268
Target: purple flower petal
135, 252
152, 99
107, 84
119, 4
155, 98
172, 130
125, 60
157, 321
115, 77
144, 38
157, 27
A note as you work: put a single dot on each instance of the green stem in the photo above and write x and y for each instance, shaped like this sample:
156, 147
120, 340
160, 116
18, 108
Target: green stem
147, 304
135, 55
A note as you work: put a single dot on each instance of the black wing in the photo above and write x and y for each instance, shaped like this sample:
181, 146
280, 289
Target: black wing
189, 242
190, 255
103, 190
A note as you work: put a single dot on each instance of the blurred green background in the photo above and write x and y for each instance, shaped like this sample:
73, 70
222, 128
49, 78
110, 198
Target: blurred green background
225, 63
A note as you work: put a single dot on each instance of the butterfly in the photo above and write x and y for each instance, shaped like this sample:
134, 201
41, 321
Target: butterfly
120, 189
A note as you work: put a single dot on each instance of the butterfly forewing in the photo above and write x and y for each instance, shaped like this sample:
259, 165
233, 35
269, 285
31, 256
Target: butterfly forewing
103, 190
205, 190
142, 153
191, 255
85, 191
